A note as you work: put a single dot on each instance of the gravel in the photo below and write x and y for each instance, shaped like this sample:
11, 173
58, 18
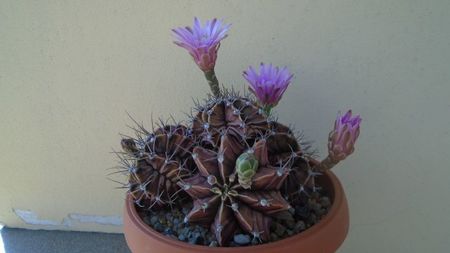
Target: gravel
171, 223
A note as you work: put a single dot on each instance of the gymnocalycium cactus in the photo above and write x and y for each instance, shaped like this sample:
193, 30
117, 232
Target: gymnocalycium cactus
235, 187
155, 162
240, 167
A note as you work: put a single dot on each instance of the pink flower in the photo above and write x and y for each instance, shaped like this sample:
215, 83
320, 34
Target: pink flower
342, 139
269, 85
202, 42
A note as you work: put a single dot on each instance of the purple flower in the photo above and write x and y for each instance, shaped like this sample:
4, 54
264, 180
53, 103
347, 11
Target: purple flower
202, 42
269, 85
342, 139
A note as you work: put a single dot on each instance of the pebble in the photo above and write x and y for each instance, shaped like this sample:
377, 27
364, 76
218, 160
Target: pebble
279, 229
315, 195
168, 231
241, 239
213, 244
321, 212
153, 220
325, 202
290, 224
316, 207
159, 227
185, 210
147, 220
193, 240
302, 211
289, 232
182, 237
312, 219
209, 238
176, 213
186, 230
299, 226
273, 237
196, 238
255, 241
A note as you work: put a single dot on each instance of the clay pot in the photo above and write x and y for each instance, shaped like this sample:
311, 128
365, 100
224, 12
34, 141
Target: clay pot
325, 236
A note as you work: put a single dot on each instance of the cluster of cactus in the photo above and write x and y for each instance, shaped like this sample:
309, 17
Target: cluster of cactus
239, 166
232, 160
237, 185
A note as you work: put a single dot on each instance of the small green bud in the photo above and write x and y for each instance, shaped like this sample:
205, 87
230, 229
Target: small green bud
246, 166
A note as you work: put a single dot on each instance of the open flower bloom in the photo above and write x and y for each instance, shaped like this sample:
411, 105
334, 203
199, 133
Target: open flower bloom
269, 85
202, 42
342, 139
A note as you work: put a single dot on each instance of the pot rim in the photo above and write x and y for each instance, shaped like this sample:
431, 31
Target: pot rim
338, 200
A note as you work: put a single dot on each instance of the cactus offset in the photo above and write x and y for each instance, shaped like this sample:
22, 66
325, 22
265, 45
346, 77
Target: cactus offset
292, 155
156, 163
246, 166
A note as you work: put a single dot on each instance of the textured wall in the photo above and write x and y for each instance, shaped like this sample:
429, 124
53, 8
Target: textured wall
69, 71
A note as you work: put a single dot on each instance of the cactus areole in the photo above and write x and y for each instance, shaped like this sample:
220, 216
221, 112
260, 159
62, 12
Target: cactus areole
244, 178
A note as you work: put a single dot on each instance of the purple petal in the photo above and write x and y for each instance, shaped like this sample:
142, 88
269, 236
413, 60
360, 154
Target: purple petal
202, 39
270, 84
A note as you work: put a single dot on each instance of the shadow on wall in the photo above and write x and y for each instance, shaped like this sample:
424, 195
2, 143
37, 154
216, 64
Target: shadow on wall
14, 240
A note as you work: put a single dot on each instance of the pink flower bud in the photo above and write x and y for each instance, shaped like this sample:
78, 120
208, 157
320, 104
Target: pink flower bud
342, 139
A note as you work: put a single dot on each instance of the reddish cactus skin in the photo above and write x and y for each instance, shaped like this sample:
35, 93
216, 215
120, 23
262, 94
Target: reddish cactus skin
228, 114
221, 202
157, 162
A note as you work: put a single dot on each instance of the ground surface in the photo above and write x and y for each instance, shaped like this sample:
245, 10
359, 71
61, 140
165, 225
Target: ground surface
41, 241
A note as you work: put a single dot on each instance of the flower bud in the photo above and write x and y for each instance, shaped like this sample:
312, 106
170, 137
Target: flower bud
342, 139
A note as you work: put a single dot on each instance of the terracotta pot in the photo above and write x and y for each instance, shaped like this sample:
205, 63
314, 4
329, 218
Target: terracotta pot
325, 236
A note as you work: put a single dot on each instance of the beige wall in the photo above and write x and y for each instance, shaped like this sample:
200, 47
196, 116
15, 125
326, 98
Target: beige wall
69, 71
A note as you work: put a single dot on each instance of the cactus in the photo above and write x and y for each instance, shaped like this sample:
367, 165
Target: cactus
229, 113
227, 196
246, 167
155, 163
240, 177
